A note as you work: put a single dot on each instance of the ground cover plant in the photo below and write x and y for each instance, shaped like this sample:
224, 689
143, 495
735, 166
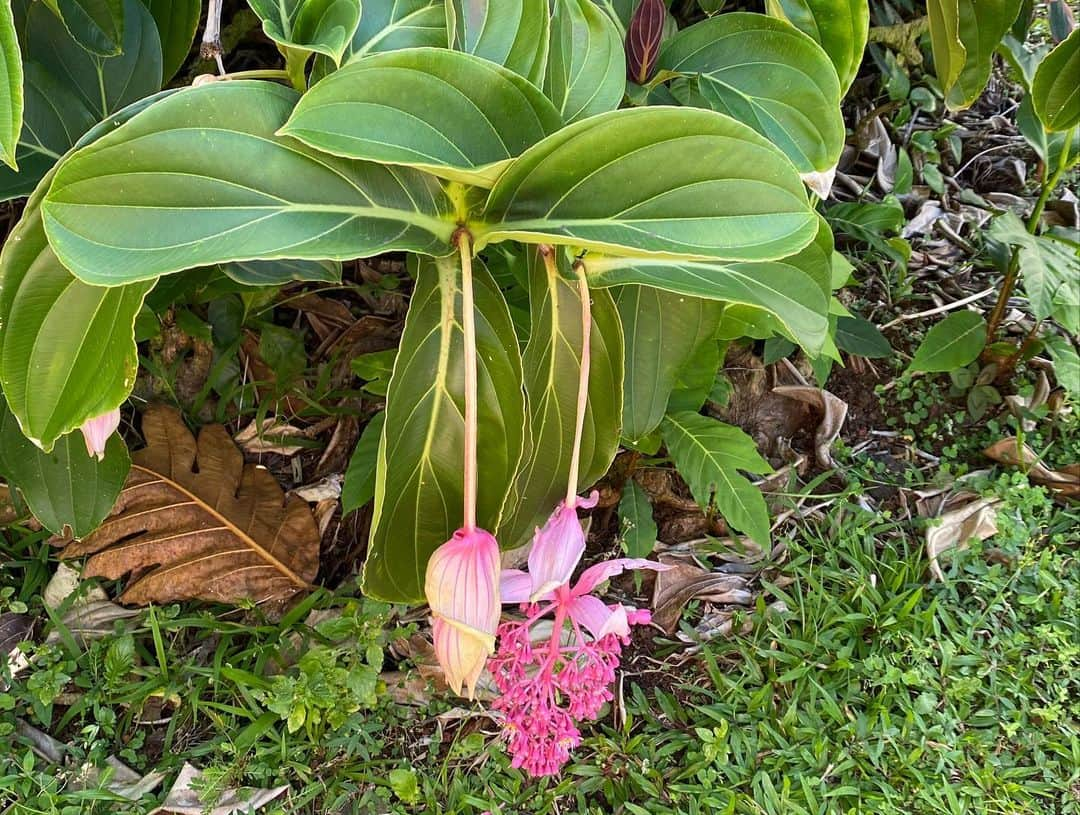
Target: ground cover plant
552, 406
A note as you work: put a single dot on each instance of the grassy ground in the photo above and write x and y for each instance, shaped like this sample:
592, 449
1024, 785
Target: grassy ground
877, 691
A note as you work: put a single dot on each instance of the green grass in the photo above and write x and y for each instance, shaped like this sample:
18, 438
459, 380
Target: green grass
877, 692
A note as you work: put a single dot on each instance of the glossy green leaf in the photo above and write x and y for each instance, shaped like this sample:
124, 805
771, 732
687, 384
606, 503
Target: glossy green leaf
708, 455
768, 75
838, 26
778, 287
280, 272
662, 332
391, 26
586, 71
638, 527
964, 35
11, 87
359, 485
1050, 270
67, 351
511, 34
953, 343
654, 182
200, 178
419, 485
858, 336
66, 489
96, 25
177, 22
1055, 90
452, 114
323, 26
552, 365
1066, 363
1054, 149
68, 90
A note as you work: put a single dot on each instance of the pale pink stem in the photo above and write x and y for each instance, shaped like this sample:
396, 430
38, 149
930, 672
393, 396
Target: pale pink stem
468, 324
583, 383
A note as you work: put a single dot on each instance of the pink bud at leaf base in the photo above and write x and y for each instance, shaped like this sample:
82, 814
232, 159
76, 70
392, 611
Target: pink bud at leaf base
462, 588
96, 432
643, 37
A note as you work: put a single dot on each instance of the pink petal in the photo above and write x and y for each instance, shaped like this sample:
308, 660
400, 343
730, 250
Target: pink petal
462, 582
515, 586
595, 575
96, 432
599, 618
556, 550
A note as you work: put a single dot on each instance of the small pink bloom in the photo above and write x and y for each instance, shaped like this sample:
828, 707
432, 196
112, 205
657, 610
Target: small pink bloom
462, 588
546, 687
96, 432
558, 547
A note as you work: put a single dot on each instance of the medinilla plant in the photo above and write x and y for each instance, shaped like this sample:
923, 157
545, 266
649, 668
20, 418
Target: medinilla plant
488, 144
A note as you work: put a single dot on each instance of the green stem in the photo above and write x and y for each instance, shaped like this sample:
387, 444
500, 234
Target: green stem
262, 73
1013, 272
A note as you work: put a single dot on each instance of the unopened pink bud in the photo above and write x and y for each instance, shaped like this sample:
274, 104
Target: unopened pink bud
96, 432
462, 588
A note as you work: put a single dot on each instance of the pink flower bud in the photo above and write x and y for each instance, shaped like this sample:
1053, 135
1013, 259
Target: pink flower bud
462, 588
96, 432
643, 37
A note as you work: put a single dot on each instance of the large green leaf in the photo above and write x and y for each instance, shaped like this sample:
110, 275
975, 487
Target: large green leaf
96, 25
452, 114
324, 26
654, 182
67, 351
11, 86
663, 332
949, 52
964, 35
586, 70
66, 489
200, 178
511, 34
280, 272
177, 21
552, 364
769, 75
953, 343
1061, 148
838, 26
781, 288
708, 455
419, 486
638, 527
391, 26
1055, 90
1050, 269
68, 90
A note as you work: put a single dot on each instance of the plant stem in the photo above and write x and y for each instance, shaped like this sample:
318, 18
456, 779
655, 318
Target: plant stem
211, 41
468, 324
583, 383
1013, 272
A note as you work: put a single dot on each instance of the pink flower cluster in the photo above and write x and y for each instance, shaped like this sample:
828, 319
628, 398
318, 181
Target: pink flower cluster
548, 686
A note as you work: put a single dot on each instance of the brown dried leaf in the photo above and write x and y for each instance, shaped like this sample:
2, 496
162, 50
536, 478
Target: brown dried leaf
185, 797
1064, 482
270, 436
684, 582
833, 411
977, 519
193, 522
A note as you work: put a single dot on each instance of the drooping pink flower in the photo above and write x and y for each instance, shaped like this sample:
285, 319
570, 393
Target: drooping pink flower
96, 432
547, 687
462, 588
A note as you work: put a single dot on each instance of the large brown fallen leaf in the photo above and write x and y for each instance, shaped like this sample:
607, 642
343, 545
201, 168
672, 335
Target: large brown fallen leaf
833, 411
975, 519
193, 522
184, 798
686, 581
1064, 482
